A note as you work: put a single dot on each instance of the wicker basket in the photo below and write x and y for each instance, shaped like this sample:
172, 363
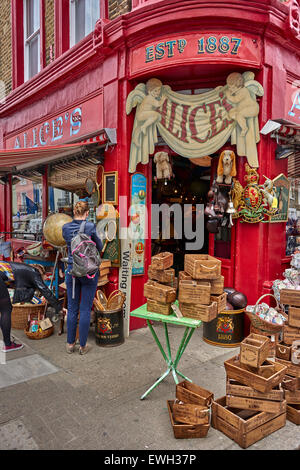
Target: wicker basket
260, 323
20, 313
38, 334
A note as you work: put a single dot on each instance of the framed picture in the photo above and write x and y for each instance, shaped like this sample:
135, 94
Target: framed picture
282, 189
110, 187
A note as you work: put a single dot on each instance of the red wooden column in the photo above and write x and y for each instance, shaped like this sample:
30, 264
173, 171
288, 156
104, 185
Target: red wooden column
45, 192
17, 44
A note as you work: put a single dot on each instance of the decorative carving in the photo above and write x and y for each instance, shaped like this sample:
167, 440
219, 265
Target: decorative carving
163, 166
254, 203
197, 125
99, 38
294, 19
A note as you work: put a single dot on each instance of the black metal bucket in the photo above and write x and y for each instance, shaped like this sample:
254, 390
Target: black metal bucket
227, 330
109, 327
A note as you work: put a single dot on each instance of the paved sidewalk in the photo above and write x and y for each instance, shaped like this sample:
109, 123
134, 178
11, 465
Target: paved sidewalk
52, 400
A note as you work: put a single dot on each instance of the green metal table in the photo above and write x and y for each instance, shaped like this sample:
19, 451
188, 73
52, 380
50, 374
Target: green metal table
190, 326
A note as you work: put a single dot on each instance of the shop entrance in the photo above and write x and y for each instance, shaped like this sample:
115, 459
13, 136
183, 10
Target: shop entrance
186, 190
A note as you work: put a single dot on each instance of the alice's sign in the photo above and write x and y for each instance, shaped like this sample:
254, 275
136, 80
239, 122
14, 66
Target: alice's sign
196, 125
68, 126
191, 47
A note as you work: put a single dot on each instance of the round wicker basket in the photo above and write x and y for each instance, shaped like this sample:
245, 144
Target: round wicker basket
38, 334
20, 313
260, 323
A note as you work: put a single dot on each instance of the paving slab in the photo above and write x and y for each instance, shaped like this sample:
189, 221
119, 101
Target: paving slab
92, 402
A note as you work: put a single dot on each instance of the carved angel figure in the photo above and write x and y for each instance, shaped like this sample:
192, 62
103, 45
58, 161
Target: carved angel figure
241, 91
145, 97
238, 93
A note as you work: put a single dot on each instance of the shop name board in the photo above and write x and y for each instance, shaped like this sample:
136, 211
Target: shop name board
76, 122
206, 45
51, 132
293, 102
209, 47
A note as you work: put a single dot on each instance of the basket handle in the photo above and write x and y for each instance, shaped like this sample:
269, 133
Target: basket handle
265, 295
206, 267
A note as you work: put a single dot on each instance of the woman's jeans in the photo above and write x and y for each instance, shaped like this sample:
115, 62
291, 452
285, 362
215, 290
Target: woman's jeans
85, 290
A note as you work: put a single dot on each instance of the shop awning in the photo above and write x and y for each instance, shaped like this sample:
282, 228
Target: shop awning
16, 160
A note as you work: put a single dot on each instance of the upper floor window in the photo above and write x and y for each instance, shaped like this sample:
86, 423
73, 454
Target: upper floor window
83, 17
32, 63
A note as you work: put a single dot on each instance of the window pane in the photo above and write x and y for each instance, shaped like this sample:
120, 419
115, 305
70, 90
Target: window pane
33, 56
84, 14
27, 208
92, 15
79, 19
32, 16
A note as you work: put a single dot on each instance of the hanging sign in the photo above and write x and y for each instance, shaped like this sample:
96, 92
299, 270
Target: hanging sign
196, 125
137, 227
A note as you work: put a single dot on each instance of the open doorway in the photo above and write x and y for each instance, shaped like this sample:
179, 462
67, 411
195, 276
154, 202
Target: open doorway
188, 186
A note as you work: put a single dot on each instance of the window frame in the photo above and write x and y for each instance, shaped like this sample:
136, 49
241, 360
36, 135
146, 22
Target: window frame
28, 40
18, 42
72, 23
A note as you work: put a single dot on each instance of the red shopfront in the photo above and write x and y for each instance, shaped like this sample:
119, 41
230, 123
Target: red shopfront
209, 43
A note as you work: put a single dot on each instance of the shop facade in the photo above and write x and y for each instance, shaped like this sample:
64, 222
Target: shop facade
191, 47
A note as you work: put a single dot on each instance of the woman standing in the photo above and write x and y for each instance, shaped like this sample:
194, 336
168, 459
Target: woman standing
80, 290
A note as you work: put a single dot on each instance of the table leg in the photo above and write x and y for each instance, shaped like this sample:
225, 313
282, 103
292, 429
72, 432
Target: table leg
172, 365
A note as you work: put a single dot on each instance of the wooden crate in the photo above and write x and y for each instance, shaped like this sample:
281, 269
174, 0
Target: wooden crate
162, 260
164, 276
188, 413
245, 427
158, 307
292, 397
256, 381
186, 431
257, 404
291, 383
290, 334
191, 292
295, 353
283, 351
290, 297
237, 389
293, 413
188, 392
183, 276
173, 283
246, 398
291, 369
254, 350
294, 317
274, 338
221, 301
202, 266
205, 313
155, 291
265, 369
217, 285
